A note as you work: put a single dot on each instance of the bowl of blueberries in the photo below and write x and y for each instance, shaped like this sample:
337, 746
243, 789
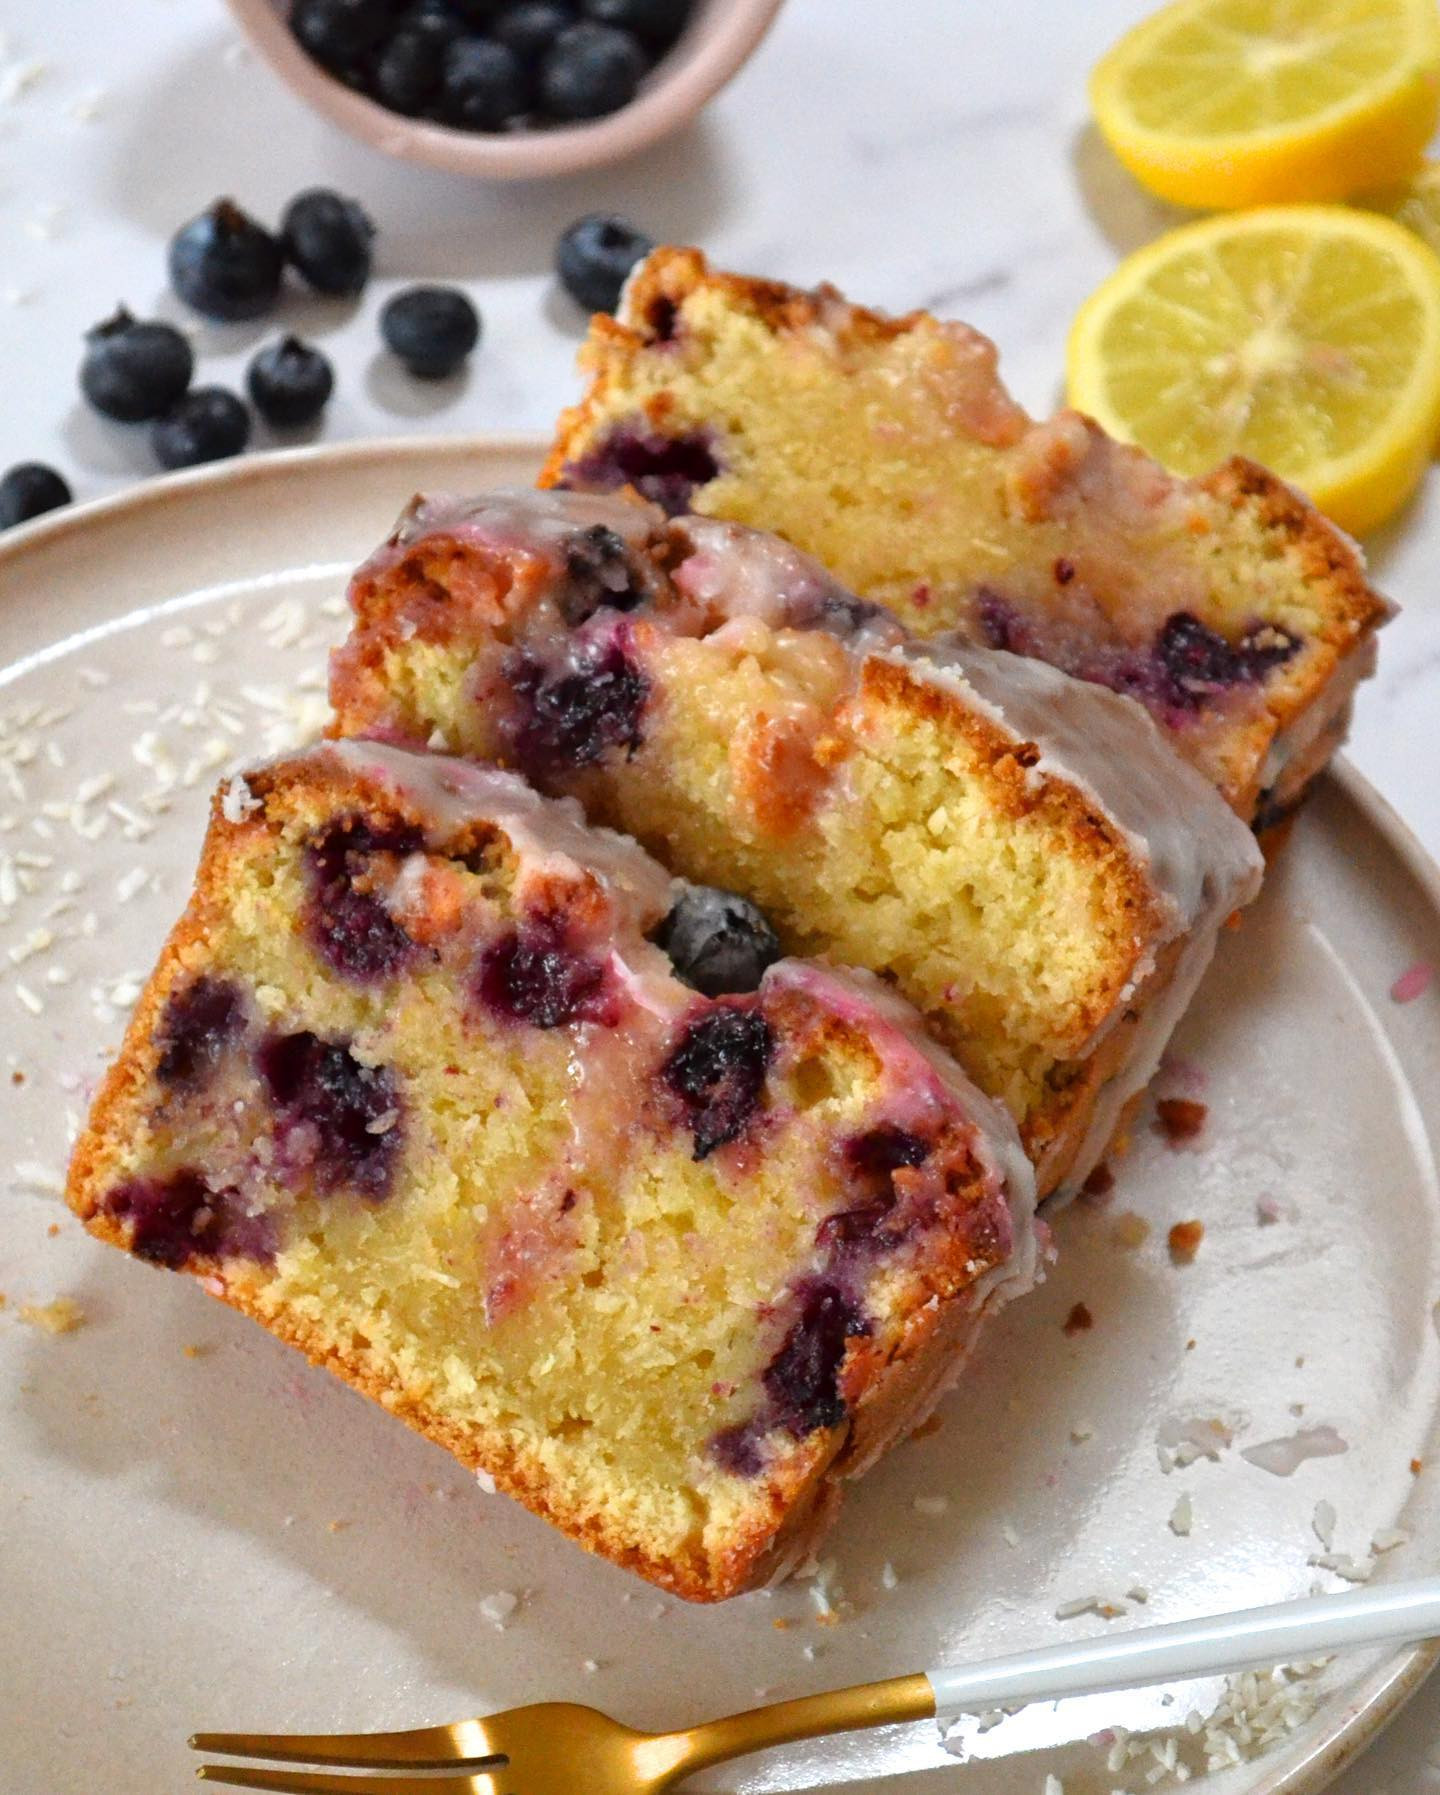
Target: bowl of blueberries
508, 89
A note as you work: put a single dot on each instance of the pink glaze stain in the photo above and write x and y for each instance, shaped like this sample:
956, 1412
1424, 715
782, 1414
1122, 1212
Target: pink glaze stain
1413, 982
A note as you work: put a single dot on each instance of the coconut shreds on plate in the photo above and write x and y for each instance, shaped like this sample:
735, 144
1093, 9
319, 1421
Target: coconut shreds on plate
1257, 1710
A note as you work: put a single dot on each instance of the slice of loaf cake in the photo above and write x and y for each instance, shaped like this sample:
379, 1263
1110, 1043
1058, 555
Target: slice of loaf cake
888, 448
413, 1086
1022, 853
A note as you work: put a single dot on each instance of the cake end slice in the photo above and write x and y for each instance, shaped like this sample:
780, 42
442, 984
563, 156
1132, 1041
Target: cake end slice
413, 1087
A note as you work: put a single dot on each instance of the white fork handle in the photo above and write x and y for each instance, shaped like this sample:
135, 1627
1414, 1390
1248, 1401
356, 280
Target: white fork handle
1388, 1614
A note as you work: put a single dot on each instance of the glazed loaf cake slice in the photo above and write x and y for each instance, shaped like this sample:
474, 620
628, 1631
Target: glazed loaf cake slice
889, 449
412, 1086
1022, 853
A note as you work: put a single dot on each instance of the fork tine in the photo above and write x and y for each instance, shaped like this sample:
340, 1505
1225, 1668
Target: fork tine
440, 1746
304, 1782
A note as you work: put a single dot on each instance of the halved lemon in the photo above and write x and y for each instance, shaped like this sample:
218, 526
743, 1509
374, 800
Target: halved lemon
1306, 337
1226, 103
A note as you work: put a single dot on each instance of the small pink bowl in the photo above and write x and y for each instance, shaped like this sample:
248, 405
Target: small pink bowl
719, 38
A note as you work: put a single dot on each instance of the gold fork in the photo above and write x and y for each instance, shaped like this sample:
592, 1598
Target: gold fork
553, 1747
541, 1750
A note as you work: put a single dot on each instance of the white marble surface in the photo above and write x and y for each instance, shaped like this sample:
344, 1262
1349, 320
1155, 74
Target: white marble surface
930, 152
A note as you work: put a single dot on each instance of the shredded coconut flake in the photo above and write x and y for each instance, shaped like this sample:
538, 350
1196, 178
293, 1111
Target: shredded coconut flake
1283, 1457
498, 1607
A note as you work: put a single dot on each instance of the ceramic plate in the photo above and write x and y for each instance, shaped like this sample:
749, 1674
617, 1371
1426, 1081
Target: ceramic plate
198, 1530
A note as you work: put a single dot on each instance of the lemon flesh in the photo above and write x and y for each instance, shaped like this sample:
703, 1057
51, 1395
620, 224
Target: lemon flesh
1226, 103
1304, 337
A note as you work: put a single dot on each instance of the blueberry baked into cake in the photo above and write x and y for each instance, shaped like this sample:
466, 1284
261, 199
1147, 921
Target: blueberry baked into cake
416, 1085
889, 449
1021, 853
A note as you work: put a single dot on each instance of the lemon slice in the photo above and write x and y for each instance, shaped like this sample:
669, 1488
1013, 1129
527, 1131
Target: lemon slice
1306, 337
1224, 103
1415, 204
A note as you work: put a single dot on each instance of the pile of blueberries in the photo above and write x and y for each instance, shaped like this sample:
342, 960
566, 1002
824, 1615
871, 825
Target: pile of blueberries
226, 266
491, 65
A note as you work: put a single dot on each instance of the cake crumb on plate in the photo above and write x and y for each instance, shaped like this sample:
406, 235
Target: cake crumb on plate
60, 1316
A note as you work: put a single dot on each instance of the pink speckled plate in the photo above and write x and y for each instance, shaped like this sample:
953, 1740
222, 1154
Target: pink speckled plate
198, 1530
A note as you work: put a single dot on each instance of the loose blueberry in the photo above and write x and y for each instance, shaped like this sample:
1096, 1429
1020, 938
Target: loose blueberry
530, 28
718, 941
209, 424
484, 84
326, 238
594, 258
591, 70
573, 720
338, 32
530, 976
657, 22
30, 489
718, 1072
177, 1219
199, 1022
225, 265
338, 1118
599, 573
664, 469
133, 371
352, 930
803, 1379
290, 383
430, 329
409, 71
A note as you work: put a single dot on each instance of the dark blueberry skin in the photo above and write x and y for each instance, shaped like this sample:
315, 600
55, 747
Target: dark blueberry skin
178, 1219
530, 28
593, 259
351, 929
134, 371
718, 941
338, 32
803, 1379
599, 573
872, 1160
576, 718
657, 22
409, 71
1001, 625
591, 70
717, 1070
738, 1449
30, 489
430, 329
327, 239
200, 1022
331, 1105
225, 265
529, 975
1198, 662
209, 424
485, 84
664, 469
290, 383
477, 13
